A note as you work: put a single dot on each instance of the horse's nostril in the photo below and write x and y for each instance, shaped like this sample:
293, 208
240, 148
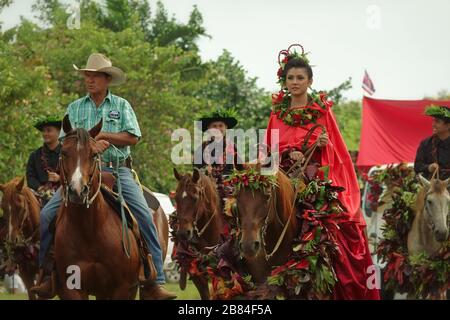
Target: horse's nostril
85, 191
240, 246
256, 245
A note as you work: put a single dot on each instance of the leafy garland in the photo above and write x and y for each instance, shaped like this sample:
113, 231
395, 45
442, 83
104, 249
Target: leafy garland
418, 275
438, 111
187, 257
308, 273
297, 117
250, 178
39, 121
392, 176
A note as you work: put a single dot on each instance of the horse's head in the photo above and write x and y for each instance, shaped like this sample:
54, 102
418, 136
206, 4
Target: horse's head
259, 210
79, 162
436, 206
252, 213
188, 197
15, 207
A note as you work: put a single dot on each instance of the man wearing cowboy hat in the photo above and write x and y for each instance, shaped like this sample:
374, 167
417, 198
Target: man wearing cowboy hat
42, 175
434, 152
121, 129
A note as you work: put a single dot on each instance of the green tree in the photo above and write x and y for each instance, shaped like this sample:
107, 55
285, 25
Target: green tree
229, 86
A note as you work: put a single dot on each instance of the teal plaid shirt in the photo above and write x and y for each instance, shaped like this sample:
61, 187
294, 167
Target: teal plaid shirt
117, 114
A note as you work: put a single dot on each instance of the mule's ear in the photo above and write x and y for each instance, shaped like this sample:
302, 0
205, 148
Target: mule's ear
176, 174
20, 185
195, 175
67, 127
423, 181
96, 130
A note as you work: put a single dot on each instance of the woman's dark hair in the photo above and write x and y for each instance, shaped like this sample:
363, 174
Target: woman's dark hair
297, 63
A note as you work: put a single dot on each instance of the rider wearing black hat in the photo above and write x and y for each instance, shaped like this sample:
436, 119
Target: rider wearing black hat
42, 174
434, 152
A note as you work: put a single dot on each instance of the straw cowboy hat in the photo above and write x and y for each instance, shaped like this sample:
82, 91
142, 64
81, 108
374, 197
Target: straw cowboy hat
97, 62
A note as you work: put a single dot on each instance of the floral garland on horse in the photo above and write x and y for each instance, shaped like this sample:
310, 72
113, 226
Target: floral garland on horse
308, 273
420, 276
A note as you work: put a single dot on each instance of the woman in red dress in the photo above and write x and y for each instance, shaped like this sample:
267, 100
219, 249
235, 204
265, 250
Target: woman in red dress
295, 112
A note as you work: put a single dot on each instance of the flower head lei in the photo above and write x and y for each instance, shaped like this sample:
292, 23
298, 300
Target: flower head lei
281, 100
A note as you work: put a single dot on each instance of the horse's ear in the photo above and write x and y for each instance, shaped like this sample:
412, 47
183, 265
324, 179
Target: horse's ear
96, 130
67, 127
176, 174
447, 182
423, 181
196, 175
20, 185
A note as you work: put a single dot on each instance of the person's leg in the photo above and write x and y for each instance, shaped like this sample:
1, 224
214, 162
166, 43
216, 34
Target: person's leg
44, 287
134, 197
48, 213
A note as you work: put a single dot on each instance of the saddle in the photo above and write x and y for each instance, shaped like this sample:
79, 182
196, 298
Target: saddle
112, 198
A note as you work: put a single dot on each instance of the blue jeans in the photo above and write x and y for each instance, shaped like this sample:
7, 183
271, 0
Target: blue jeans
134, 197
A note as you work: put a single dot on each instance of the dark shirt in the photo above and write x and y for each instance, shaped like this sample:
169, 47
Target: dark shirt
40, 161
218, 163
433, 150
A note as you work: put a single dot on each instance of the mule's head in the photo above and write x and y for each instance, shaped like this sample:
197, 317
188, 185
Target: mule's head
187, 197
14, 206
436, 206
78, 160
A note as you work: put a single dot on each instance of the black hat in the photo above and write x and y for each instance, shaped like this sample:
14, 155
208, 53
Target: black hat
48, 121
439, 112
228, 116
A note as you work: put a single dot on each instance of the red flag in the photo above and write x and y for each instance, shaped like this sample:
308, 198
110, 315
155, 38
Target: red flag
367, 84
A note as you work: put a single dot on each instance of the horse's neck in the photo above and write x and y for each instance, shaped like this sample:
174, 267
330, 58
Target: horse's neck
88, 219
210, 210
213, 230
276, 230
33, 213
422, 234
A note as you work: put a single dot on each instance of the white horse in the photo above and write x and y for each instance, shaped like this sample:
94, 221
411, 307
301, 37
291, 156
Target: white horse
429, 230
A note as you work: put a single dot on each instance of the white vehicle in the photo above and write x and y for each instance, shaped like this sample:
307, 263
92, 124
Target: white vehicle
170, 270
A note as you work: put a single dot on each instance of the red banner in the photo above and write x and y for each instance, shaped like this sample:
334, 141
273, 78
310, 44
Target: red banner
392, 130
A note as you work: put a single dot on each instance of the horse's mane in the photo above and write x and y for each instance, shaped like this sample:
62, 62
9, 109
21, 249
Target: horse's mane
10, 189
420, 201
210, 190
285, 194
207, 183
81, 134
437, 186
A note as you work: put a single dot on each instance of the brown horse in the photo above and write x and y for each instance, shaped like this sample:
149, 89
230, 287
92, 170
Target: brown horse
268, 225
88, 232
429, 230
21, 213
199, 216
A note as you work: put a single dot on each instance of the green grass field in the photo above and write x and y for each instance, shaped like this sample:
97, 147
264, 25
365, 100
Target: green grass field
190, 293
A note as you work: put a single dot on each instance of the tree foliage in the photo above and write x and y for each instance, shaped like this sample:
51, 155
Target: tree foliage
168, 83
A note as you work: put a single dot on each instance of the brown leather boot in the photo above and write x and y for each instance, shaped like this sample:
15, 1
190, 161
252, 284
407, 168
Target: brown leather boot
155, 291
45, 287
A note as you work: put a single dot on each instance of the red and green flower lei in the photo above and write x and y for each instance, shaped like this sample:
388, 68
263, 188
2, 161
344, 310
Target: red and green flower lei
296, 117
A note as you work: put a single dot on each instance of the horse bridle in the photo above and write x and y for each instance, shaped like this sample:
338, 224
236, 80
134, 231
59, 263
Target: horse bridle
195, 222
97, 165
